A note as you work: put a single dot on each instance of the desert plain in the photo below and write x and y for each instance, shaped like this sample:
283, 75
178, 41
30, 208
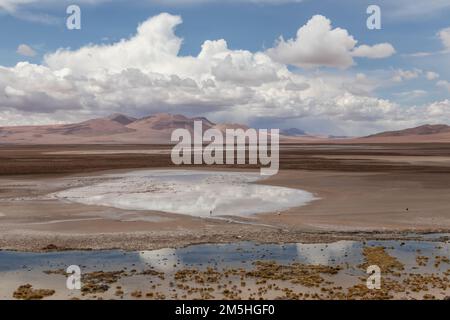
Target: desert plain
362, 193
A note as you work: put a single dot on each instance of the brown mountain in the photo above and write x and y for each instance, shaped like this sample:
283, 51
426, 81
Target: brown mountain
122, 119
116, 128
421, 134
166, 121
157, 129
421, 130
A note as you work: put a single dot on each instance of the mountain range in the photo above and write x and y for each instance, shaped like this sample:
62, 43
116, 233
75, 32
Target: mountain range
157, 129
424, 133
116, 128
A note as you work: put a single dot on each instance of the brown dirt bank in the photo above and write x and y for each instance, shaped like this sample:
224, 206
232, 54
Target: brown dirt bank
55, 159
44, 242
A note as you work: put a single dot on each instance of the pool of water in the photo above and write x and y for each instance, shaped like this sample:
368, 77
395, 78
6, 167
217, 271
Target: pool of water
239, 255
196, 193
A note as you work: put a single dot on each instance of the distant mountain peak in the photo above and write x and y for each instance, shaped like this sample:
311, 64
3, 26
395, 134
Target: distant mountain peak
204, 120
121, 118
426, 129
293, 132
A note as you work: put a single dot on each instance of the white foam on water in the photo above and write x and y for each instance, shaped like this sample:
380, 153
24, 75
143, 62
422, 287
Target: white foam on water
194, 193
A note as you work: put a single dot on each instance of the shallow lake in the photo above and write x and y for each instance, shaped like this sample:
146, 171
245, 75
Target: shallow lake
239, 255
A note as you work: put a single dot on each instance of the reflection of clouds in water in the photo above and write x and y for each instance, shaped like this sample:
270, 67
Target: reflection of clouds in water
162, 260
325, 253
188, 192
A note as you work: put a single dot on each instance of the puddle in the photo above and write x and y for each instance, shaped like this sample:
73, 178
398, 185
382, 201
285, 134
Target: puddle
196, 193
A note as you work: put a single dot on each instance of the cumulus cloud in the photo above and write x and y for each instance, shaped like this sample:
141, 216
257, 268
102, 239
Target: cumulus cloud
439, 109
444, 35
318, 44
378, 51
26, 50
154, 47
146, 73
431, 75
402, 75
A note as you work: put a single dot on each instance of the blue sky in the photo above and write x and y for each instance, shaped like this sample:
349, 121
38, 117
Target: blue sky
403, 79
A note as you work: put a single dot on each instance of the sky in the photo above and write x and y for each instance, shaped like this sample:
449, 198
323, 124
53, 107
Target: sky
310, 64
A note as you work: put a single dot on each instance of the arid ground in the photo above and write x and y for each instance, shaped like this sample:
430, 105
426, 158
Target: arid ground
373, 191
375, 204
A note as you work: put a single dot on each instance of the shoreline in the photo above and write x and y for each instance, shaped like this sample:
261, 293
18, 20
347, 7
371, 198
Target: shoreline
151, 241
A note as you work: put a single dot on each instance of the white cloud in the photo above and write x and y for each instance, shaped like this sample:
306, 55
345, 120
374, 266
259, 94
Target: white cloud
411, 94
439, 109
432, 75
146, 73
318, 44
401, 75
154, 47
444, 35
26, 50
378, 51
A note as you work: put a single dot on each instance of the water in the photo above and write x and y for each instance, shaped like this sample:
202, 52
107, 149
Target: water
196, 193
137, 270
236, 255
